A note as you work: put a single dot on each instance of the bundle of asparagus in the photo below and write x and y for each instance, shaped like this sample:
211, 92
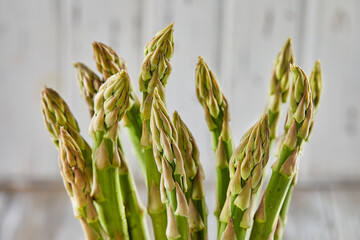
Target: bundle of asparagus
101, 185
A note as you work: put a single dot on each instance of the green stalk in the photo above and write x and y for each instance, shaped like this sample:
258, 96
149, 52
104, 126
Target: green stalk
109, 63
217, 117
156, 208
154, 72
297, 125
316, 89
279, 86
195, 195
110, 104
72, 168
57, 114
246, 167
278, 92
170, 163
133, 123
135, 212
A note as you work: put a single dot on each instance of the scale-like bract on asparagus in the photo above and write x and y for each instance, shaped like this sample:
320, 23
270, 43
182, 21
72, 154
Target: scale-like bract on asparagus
279, 85
77, 185
195, 176
246, 171
154, 73
110, 105
284, 169
57, 114
217, 117
89, 84
170, 163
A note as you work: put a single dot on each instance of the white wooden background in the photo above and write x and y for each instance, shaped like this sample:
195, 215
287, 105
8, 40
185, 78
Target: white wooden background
40, 39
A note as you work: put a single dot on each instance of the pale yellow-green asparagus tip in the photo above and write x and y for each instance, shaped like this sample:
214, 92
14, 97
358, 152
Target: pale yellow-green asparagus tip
110, 104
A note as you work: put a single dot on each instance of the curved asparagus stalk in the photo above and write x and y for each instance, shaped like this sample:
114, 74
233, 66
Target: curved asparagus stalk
316, 88
246, 167
170, 163
77, 184
297, 125
89, 84
154, 72
195, 194
217, 117
57, 114
110, 105
109, 63
279, 86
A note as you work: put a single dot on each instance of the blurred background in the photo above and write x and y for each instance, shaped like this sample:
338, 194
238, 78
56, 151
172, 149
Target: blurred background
40, 39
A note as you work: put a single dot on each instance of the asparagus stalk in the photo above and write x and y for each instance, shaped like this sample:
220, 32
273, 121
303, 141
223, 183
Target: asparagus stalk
89, 84
195, 176
316, 88
110, 105
154, 72
109, 63
170, 163
77, 184
279, 90
297, 125
135, 212
217, 117
57, 114
246, 167
279, 86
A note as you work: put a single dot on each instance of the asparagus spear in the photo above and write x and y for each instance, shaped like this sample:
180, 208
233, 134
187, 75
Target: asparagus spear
217, 117
170, 163
77, 184
109, 63
194, 175
316, 87
246, 167
279, 90
279, 86
154, 72
110, 105
284, 169
89, 84
57, 114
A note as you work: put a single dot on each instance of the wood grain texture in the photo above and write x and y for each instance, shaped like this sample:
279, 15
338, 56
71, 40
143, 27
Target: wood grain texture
315, 213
